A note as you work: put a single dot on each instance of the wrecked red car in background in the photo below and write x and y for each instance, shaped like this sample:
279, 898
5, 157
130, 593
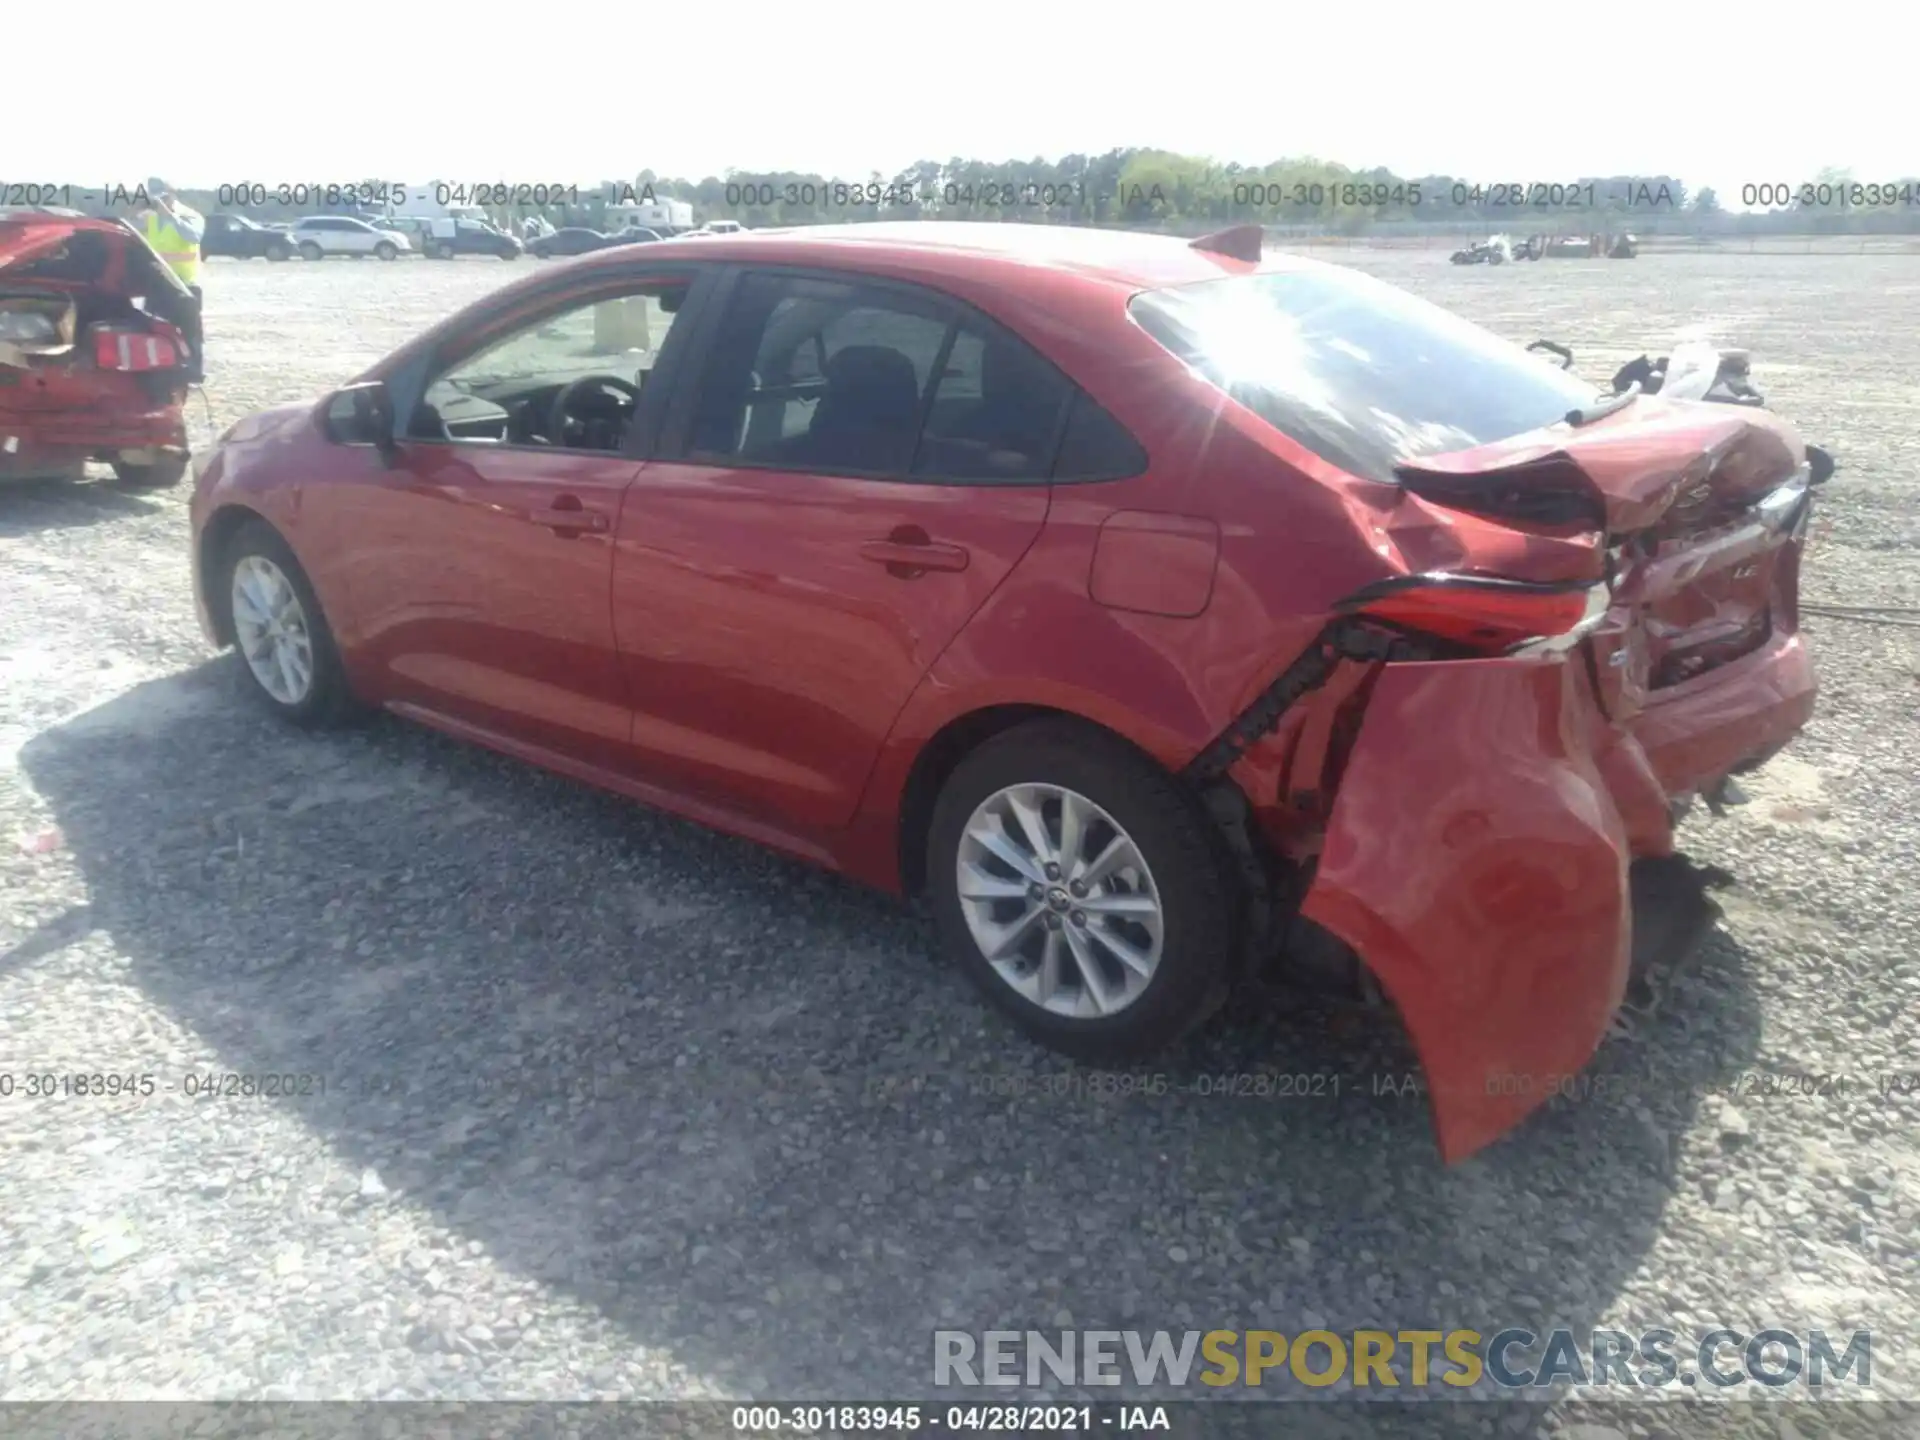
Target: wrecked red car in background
1157, 610
99, 342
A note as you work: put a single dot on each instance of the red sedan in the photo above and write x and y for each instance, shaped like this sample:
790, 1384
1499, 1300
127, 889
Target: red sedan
98, 344
1149, 606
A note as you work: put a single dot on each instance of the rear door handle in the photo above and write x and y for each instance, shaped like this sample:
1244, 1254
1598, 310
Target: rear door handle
906, 555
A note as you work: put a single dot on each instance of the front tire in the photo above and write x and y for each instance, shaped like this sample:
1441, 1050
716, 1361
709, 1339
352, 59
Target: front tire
160, 476
279, 251
1082, 889
310, 250
386, 250
284, 645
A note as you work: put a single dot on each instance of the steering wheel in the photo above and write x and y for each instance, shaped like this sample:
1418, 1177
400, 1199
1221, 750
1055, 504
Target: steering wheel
560, 418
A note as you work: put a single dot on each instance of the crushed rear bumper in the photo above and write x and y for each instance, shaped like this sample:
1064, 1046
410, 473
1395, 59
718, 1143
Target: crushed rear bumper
1476, 862
1702, 730
1500, 857
45, 443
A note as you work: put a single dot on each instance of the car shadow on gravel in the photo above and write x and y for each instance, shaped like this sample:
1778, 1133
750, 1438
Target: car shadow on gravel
739, 1108
34, 507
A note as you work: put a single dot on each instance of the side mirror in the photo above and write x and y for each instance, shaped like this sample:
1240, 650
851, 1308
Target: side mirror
1821, 465
362, 415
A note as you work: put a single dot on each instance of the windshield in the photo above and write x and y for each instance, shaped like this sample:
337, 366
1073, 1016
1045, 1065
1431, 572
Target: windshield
1360, 372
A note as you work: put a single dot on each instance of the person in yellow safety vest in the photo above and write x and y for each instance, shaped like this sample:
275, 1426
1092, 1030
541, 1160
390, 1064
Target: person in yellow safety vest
174, 229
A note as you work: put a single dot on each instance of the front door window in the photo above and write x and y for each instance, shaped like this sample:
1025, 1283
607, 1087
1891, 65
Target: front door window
569, 380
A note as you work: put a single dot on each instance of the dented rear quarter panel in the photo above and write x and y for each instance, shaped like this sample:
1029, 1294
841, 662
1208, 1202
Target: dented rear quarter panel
1065, 634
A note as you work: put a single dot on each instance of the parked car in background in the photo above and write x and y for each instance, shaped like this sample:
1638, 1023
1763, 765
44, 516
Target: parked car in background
85, 372
319, 236
579, 240
468, 237
568, 240
239, 238
1162, 611
411, 226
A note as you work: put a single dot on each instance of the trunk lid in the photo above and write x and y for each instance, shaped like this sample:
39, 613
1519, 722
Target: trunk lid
76, 252
112, 285
1701, 508
1671, 464
25, 236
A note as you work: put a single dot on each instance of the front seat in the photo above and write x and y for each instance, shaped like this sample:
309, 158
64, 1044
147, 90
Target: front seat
869, 416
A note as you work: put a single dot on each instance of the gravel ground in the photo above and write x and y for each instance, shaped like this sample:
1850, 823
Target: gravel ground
609, 1106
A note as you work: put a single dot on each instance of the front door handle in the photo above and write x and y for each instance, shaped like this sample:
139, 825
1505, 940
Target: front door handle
570, 519
908, 551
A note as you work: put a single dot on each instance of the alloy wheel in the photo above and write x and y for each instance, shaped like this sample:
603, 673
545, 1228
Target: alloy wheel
1060, 901
272, 630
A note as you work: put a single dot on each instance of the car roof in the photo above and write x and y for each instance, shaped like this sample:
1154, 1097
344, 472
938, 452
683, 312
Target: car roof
937, 248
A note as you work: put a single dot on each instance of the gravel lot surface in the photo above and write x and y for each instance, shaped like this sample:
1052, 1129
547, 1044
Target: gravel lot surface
609, 1106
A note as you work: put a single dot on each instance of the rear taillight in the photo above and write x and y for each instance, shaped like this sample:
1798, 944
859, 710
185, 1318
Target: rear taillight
1487, 616
118, 349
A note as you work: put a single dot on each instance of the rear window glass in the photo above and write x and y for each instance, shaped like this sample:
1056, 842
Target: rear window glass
1360, 372
1096, 446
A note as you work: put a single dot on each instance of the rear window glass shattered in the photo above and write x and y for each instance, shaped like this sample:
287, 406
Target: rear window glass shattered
1360, 372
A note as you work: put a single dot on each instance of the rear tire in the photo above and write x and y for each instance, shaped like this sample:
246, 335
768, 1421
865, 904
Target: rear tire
161, 476
309, 250
1063, 979
323, 699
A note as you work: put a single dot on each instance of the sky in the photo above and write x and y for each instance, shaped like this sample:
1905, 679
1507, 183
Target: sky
590, 90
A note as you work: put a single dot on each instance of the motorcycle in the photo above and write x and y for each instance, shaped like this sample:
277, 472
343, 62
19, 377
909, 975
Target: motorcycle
1496, 251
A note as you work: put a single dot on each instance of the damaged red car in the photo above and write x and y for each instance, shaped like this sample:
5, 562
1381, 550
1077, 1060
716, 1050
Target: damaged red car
99, 342
1157, 610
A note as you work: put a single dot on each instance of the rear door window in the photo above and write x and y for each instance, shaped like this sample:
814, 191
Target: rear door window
996, 411
1096, 446
824, 375
830, 375
1362, 373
